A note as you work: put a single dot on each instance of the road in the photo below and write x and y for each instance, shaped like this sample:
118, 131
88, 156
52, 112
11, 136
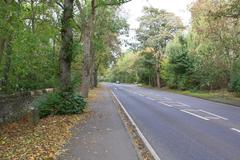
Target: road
181, 127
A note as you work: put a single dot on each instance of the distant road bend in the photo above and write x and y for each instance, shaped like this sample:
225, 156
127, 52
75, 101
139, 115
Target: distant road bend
180, 127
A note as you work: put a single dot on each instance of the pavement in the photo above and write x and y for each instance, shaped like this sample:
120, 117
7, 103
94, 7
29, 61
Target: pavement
103, 137
180, 127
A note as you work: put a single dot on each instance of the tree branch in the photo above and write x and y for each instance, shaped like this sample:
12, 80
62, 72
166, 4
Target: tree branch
59, 4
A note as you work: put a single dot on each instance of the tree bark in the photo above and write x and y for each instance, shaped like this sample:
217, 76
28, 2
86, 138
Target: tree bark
94, 77
86, 63
87, 37
93, 66
66, 47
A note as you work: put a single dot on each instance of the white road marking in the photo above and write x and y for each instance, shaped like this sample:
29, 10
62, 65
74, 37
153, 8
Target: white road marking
167, 98
165, 104
170, 102
193, 114
220, 117
183, 104
150, 98
141, 94
145, 141
234, 129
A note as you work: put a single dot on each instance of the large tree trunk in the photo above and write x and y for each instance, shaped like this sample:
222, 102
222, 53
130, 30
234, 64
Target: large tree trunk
86, 63
87, 37
93, 66
94, 77
66, 47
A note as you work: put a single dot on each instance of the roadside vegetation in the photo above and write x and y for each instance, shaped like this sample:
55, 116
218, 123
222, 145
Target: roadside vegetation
54, 44
57, 44
202, 57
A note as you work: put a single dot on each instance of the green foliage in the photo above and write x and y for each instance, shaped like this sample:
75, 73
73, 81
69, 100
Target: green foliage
33, 45
235, 77
125, 69
157, 27
209, 60
178, 66
59, 103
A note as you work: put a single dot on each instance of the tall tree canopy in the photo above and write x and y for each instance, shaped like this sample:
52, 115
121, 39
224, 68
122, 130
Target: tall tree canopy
157, 28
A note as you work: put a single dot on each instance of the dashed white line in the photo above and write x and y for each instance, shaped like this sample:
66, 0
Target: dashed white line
193, 114
165, 104
234, 129
167, 98
150, 98
220, 117
183, 104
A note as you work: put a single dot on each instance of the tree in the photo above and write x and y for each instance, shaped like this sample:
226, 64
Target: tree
125, 69
157, 28
67, 46
88, 29
108, 26
178, 67
217, 40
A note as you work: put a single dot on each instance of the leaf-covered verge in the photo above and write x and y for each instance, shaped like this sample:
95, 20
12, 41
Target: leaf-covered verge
43, 141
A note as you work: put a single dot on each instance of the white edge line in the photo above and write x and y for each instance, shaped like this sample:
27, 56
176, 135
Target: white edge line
214, 114
145, 141
234, 129
193, 114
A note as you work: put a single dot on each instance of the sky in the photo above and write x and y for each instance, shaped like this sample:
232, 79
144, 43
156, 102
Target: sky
133, 10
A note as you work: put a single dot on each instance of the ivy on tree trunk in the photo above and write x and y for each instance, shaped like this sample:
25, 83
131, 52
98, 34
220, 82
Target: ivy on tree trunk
66, 47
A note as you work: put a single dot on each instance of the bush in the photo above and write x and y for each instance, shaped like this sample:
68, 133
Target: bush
59, 104
235, 78
235, 85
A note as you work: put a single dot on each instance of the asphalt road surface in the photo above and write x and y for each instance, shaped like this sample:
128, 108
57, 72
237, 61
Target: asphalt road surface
180, 127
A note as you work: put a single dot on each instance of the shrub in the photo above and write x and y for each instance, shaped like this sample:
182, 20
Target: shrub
235, 78
59, 104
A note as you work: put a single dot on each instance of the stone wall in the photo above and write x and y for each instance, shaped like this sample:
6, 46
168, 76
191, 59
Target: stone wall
18, 106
